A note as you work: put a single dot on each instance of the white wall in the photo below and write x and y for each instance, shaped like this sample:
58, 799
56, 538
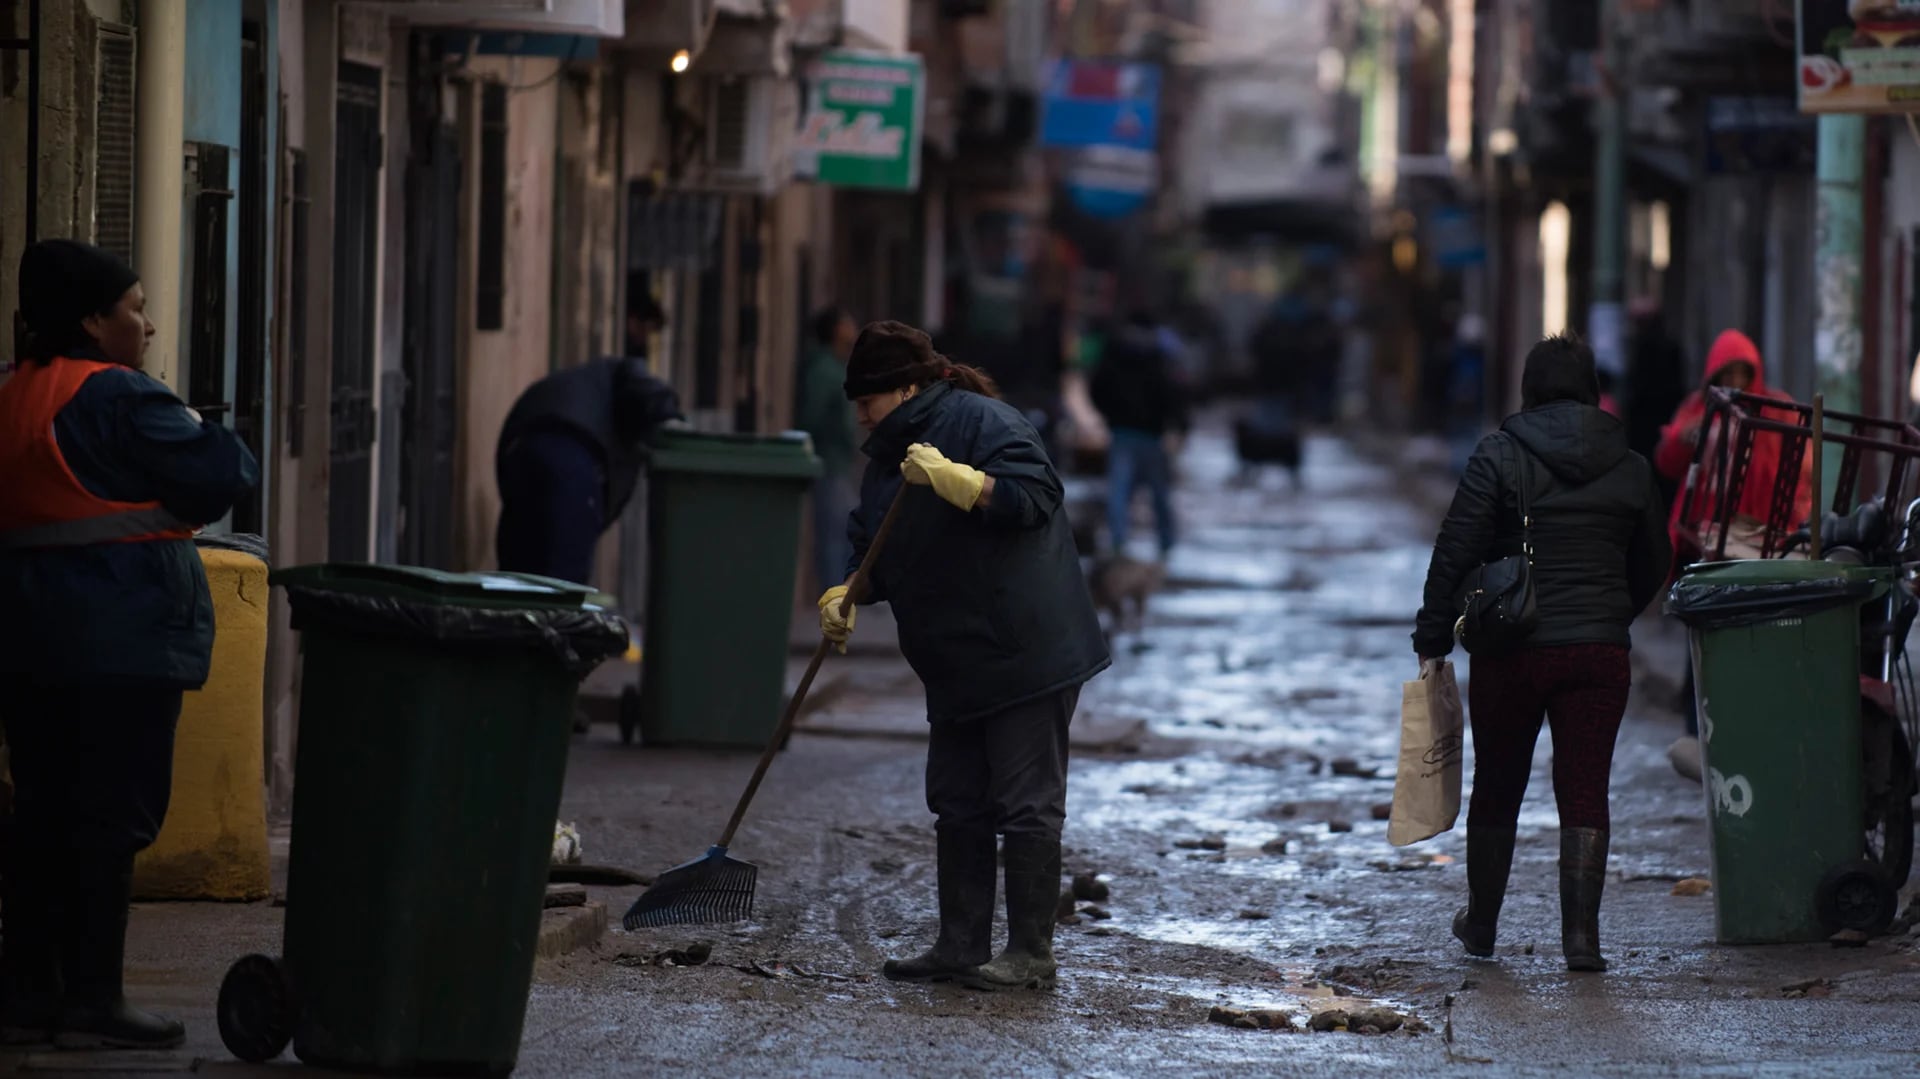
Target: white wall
1261, 122
875, 24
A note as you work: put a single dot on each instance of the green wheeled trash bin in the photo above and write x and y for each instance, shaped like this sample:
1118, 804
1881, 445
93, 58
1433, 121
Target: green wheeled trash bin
724, 520
435, 714
1776, 654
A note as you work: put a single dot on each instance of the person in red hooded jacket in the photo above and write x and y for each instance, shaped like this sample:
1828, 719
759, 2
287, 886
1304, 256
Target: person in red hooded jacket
1733, 363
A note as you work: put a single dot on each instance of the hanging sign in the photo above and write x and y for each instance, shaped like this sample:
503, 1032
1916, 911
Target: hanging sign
865, 113
1859, 55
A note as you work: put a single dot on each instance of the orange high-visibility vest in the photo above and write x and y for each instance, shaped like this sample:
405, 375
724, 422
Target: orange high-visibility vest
42, 503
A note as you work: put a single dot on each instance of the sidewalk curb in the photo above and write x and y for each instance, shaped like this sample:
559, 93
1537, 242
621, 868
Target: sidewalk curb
565, 930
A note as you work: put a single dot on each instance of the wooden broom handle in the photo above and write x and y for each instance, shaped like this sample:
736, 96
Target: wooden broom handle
855, 588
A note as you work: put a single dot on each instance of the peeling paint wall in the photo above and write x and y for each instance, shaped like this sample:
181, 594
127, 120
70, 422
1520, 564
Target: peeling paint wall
496, 365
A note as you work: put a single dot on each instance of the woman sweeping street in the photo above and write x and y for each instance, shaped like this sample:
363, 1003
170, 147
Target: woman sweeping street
108, 620
994, 617
1599, 555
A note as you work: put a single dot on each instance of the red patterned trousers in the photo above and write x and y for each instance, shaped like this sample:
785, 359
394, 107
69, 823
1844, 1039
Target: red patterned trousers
1581, 692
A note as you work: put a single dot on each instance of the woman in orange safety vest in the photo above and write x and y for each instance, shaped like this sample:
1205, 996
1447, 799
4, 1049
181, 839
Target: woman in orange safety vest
107, 620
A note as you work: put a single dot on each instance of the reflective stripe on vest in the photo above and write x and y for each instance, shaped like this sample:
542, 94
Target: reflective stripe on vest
42, 503
151, 521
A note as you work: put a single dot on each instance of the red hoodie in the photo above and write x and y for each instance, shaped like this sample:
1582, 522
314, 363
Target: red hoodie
1675, 453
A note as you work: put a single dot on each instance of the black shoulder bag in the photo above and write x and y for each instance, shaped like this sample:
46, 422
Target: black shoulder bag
1497, 610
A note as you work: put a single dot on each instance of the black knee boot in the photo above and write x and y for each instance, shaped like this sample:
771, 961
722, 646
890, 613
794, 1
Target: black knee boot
93, 943
966, 881
1583, 873
1489, 861
1033, 898
29, 957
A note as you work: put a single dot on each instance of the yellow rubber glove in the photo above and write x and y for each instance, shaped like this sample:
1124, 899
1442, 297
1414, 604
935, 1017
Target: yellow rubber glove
832, 626
957, 483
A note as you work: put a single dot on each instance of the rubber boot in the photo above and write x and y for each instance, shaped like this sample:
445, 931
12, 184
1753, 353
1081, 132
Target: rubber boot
29, 960
95, 1014
1489, 861
1033, 898
1583, 873
966, 883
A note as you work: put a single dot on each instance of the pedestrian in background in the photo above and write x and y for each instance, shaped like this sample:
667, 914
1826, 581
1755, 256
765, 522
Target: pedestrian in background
568, 460
1599, 555
1733, 363
995, 619
107, 622
823, 413
1140, 396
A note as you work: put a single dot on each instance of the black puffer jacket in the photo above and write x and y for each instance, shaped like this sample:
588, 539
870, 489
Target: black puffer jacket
992, 607
1134, 387
1599, 533
613, 404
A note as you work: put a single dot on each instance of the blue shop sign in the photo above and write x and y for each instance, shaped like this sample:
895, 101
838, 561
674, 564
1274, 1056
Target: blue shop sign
1101, 103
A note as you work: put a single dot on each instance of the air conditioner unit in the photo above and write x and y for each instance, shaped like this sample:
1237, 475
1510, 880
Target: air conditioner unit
669, 24
593, 18
750, 123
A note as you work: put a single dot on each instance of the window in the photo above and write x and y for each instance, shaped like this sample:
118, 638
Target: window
491, 289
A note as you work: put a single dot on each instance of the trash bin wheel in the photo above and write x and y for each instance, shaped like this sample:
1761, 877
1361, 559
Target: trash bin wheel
629, 714
1857, 896
257, 1009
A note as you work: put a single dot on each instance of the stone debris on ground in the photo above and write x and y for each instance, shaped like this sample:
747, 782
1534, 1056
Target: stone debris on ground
1251, 1018
1091, 888
1277, 845
1337, 826
1692, 886
693, 955
1383, 811
1213, 841
1816, 988
1371, 1020
1352, 769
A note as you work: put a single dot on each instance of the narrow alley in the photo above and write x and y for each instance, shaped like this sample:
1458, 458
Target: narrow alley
1227, 781
1239, 841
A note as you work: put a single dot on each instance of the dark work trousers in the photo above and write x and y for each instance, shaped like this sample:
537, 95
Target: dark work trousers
552, 506
1581, 691
92, 766
1006, 771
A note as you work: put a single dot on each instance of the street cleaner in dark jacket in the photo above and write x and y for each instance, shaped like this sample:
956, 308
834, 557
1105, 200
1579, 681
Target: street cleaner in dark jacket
569, 457
107, 621
1599, 557
995, 619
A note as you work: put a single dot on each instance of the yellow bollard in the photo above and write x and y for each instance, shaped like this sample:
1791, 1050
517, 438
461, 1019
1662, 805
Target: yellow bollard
213, 844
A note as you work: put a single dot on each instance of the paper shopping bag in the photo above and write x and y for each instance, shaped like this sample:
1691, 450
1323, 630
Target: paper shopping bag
1426, 791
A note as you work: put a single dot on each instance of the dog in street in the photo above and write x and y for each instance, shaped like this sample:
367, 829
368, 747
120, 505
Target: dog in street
1120, 587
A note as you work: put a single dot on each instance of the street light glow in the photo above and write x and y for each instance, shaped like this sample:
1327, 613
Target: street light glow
681, 61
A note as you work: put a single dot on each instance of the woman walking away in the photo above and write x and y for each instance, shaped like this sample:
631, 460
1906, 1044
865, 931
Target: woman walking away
995, 619
1599, 557
108, 620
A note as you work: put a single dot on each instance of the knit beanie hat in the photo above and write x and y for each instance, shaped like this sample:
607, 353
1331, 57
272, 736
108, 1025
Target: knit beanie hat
64, 281
891, 356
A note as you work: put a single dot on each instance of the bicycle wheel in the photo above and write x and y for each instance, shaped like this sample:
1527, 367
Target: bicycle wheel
1890, 781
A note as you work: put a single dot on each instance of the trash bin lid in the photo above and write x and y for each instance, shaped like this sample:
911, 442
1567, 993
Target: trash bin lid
419, 584
787, 455
1749, 591
1769, 571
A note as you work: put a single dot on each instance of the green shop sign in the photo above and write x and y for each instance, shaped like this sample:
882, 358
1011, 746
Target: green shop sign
865, 111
